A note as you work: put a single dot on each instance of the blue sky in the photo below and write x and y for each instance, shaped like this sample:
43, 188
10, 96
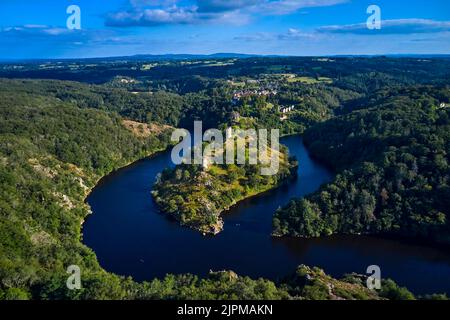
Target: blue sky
37, 28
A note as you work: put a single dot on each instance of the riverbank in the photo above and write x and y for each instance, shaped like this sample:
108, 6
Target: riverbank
132, 238
197, 196
98, 180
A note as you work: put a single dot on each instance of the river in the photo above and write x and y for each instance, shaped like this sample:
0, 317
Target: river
131, 237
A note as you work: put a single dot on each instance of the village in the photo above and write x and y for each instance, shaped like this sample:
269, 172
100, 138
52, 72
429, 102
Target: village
239, 95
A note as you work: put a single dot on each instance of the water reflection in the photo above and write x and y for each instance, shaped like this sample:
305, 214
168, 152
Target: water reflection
131, 237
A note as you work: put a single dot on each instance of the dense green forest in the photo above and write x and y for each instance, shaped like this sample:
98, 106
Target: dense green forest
53, 151
51, 154
197, 196
354, 73
392, 156
378, 122
212, 106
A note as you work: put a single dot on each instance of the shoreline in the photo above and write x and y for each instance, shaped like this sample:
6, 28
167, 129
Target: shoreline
98, 182
223, 212
155, 153
399, 238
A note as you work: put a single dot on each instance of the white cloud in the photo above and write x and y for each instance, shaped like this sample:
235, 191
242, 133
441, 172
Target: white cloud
51, 35
154, 13
400, 26
280, 7
292, 34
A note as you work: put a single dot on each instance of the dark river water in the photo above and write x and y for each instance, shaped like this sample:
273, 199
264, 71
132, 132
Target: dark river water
131, 238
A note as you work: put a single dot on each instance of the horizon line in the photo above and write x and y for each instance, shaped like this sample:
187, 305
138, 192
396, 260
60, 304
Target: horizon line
226, 55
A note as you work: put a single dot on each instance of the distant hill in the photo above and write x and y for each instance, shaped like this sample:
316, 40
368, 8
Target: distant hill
147, 57
220, 55
152, 57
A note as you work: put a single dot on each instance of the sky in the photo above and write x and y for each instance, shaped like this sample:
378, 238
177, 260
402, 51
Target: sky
38, 28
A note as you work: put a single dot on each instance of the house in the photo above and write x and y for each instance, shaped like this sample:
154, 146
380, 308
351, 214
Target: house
287, 109
238, 95
125, 80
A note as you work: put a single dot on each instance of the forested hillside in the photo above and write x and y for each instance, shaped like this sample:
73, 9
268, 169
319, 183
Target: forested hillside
197, 196
392, 156
51, 154
211, 105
